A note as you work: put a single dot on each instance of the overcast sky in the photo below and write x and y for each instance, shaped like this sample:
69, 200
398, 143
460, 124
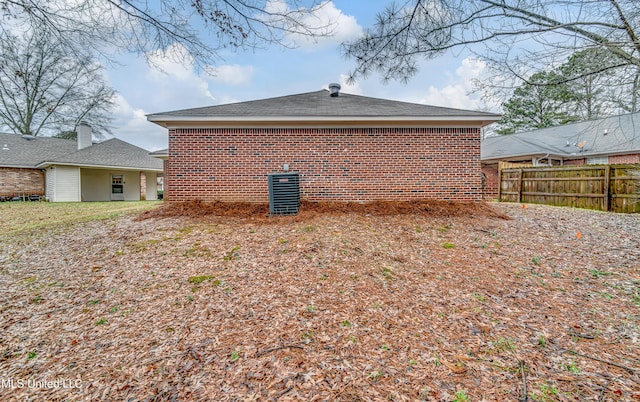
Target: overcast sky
275, 71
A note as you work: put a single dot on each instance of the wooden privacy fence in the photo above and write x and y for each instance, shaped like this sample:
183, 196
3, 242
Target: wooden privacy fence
602, 187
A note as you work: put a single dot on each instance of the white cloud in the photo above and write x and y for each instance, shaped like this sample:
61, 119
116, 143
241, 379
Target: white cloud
175, 83
132, 126
326, 19
231, 74
458, 92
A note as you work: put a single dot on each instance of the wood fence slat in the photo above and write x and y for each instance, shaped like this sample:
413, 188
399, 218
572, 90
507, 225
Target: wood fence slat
607, 183
519, 185
601, 187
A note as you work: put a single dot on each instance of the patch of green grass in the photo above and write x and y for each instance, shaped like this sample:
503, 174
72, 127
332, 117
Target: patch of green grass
536, 260
503, 345
101, 321
387, 273
479, 297
31, 355
21, 217
311, 308
196, 250
597, 273
144, 245
234, 356
448, 245
572, 367
461, 396
346, 324
547, 393
542, 341
375, 375
199, 279
93, 302
233, 254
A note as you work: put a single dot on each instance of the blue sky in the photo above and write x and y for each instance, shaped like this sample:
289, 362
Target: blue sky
276, 71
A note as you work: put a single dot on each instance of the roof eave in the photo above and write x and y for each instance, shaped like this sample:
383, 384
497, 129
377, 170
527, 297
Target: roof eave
46, 164
523, 156
173, 121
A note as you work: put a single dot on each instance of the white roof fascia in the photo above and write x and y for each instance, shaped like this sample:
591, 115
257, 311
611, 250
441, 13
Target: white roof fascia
43, 165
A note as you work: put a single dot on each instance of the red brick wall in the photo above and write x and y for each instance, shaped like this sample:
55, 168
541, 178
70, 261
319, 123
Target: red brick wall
165, 179
349, 164
490, 185
15, 181
623, 159
574, 162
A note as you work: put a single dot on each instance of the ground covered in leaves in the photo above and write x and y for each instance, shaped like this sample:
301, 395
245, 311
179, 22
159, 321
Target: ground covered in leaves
421, 301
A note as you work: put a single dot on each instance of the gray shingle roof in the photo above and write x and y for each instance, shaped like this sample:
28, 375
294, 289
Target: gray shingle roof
623, 136
18, 151
44, 151
320, 104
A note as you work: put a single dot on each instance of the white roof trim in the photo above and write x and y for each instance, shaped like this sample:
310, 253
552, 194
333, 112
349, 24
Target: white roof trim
212, 119
43, 165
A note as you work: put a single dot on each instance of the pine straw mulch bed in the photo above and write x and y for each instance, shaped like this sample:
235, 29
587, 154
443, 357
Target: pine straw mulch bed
418, 304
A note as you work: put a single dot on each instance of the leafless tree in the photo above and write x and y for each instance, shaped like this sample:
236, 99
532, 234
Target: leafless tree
518, 37
44, 90
202, 27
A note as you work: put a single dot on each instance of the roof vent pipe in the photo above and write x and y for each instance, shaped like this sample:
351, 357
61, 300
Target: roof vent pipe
334, 90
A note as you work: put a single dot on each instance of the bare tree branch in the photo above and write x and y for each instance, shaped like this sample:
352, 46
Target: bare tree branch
202, 27
398, 39
45, 91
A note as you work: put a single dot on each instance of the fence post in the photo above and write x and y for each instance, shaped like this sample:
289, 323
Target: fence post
519, 185
607, 184
499, 183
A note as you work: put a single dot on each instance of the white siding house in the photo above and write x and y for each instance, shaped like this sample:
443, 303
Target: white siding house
83, 171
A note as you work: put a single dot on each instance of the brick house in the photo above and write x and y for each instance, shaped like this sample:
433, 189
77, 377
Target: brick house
345, 148
65, 170
611, 140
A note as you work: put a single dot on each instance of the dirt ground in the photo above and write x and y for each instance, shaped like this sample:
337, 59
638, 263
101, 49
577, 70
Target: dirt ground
401, 302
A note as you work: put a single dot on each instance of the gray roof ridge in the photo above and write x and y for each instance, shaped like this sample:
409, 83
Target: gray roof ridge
305, 97
575, 123
232, 103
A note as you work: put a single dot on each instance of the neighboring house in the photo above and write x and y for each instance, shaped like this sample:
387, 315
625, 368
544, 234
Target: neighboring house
611, 140
344, 147
64, 170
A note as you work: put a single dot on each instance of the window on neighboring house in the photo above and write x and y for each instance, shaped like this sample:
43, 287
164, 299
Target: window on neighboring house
601, 160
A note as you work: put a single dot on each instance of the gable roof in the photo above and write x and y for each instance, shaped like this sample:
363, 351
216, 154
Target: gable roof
320, 106
40, 152
109, 153
622, 137
27, 151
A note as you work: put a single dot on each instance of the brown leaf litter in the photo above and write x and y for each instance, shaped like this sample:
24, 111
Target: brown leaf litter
380, 302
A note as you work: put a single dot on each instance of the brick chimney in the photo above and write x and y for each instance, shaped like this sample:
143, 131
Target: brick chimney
84, 135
